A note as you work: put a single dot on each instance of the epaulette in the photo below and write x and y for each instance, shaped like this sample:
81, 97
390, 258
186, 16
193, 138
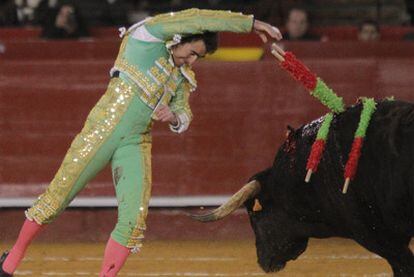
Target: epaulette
189, 74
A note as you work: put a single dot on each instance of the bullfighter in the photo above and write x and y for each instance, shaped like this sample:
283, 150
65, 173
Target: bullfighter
150, 80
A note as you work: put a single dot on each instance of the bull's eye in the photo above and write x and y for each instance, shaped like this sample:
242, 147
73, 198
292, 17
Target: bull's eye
257, 207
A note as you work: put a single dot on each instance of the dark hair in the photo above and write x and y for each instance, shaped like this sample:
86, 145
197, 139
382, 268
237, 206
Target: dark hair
210, 40
369, 22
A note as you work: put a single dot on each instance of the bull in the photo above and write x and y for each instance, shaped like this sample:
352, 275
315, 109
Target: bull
377, 212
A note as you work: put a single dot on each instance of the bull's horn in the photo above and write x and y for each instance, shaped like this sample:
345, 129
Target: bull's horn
247, 191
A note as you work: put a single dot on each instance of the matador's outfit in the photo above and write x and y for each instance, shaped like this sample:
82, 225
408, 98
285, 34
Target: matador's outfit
118, 129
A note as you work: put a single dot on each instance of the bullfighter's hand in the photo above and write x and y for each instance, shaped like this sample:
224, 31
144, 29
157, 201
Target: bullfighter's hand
264, 29
164, 114
278, 52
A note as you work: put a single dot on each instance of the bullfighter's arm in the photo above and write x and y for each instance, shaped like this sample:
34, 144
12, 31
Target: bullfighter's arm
196, 21
181, 108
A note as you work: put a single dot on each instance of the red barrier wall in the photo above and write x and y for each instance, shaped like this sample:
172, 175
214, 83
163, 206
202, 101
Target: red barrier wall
96, 51
241, 112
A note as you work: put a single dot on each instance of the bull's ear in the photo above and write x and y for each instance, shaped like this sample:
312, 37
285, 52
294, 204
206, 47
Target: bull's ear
290, 131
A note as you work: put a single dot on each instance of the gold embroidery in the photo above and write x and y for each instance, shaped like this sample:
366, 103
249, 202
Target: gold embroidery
171, 17
137, 235
150, 101
183, 16
140, 79
137, 76
158, 75
168, 70
193, 21
149, 92
171, 86
189, 74
98, 127
165, 64
166, 99
163, 76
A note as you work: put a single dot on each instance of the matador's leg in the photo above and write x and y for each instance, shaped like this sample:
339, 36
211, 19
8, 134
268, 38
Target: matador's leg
131, 168
115, 116
108, 123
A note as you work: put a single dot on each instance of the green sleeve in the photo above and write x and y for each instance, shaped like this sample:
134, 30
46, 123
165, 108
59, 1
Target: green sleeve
195, 21
180, 106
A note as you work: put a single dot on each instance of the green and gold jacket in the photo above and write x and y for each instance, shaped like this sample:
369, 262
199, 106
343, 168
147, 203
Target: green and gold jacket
145, 57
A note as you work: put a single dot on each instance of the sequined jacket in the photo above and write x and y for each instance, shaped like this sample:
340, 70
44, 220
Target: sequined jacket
145, 58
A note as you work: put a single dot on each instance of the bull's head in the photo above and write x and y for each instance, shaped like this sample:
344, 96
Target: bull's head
279, 204
278, 238
277, 241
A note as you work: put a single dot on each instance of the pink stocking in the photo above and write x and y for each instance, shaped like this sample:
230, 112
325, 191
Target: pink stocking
28, 232
115, 257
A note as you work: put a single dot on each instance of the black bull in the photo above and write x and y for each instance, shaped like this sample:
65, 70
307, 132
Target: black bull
377, 212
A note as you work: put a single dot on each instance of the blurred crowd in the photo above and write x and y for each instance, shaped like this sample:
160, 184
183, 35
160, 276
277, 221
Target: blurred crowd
65, 19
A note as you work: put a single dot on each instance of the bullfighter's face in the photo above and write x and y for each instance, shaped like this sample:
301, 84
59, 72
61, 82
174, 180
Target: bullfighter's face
188, 53
277, 241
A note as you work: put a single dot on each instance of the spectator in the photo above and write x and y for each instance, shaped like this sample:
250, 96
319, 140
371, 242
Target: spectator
369, 30
297, 26
63, 22
18, 12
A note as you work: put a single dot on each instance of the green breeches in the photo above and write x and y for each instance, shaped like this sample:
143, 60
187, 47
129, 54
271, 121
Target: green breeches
117, 130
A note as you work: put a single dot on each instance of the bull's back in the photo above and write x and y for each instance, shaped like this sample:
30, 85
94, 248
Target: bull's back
381, 196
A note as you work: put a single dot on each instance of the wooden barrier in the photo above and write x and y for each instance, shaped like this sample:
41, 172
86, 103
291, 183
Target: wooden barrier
241, 112
101, 50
